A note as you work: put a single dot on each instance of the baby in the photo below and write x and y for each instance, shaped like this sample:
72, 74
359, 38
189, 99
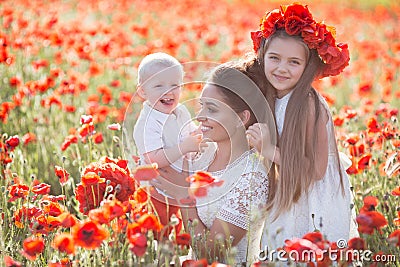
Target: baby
164, 132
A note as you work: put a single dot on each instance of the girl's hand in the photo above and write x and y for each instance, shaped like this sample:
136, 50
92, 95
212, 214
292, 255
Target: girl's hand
259, 136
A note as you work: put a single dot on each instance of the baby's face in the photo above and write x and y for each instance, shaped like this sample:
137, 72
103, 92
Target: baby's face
162, 90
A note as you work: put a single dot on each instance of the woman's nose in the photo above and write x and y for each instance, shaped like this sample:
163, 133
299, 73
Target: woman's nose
200, 116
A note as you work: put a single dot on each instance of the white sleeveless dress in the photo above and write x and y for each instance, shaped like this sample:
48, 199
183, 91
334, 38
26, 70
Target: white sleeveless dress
238, 201
325, 208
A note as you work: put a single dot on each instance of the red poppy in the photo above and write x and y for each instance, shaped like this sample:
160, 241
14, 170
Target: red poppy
396, 192
200, 182
370, 203
356, 243
98, 138
17, 191
149, 222
10, 262
15, 81
133, 228
115, 83
85, 130
146, 172
370, 221
64, 243
32, 247
88, 235
183, 239
65, 262
119, 180
12, 141
138, 244
25, 214
41, 189
394, 238
86, 119
195, 263
317, 238
300, 245
69, 108
70, 139
91, 178
28, 138
109, 210
363, 162
352, 139
356, 150
373, 125
338, 120
114, 127
62, 174
140, 195
350, 113
52, 208
67, 219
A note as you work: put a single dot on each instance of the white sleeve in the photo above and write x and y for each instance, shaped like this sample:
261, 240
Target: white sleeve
148, 137
245, 199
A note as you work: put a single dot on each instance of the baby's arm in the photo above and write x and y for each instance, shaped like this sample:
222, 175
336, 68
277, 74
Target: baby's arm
166, 156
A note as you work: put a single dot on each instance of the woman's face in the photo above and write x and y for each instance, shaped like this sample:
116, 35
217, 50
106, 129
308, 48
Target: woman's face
218, 122
284, 63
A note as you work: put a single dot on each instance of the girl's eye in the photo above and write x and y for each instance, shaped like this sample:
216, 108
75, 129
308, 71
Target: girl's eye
273, 58
295, 62
211, 110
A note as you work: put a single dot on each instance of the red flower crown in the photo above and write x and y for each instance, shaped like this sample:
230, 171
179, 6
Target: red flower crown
296, 19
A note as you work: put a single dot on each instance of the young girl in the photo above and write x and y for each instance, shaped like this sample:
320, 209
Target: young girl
311, 190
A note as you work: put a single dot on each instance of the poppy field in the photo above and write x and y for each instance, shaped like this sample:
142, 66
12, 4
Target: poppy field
69, 195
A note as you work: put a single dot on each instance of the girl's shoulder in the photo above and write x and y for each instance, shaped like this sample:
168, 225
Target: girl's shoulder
317, 107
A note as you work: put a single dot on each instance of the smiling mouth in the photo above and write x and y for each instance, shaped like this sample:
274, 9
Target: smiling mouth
205, 128
280, 78
167, 101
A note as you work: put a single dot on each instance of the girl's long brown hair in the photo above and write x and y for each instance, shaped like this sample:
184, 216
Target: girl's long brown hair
291, 180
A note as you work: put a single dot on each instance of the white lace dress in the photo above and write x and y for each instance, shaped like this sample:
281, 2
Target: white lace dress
325, 208
238, 201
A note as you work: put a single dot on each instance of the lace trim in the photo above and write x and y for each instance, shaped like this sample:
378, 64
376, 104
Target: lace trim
241, 221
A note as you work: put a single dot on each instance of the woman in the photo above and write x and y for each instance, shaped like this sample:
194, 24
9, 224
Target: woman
231, 213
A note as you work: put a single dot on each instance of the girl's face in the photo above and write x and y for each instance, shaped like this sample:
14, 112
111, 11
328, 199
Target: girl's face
284, 63
218, 122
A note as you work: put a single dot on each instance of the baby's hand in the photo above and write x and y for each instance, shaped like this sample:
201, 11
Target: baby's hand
258, 136
192, 143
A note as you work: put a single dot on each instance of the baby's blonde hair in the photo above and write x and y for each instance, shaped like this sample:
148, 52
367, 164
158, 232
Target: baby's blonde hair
159, 59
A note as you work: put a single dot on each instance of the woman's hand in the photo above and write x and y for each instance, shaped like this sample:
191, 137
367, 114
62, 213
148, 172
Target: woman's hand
180, 193
174, 177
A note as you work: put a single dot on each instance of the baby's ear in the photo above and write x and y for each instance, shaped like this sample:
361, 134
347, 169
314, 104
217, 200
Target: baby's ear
140, 91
